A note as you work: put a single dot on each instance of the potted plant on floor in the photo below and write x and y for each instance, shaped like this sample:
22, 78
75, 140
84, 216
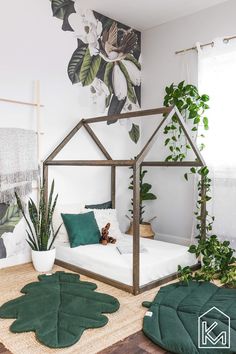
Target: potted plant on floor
145, 227
40, 232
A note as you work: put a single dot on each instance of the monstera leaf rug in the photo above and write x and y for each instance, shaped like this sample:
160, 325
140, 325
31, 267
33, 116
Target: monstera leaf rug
173, 320
59, 308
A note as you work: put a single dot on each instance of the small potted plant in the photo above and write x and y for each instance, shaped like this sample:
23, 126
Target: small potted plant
40, 232
145, 227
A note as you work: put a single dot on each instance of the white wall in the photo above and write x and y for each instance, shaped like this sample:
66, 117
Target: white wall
161, 67
33, 46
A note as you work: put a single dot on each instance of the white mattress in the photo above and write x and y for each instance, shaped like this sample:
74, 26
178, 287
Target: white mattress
160, 260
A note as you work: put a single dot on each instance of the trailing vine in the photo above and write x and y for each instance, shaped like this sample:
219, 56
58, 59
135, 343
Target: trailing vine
204, 183
192, 107
217, 257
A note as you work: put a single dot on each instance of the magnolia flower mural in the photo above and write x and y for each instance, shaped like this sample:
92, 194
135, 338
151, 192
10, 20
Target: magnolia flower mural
107, 59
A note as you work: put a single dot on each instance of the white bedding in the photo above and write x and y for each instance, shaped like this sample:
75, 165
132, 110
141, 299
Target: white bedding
160, 260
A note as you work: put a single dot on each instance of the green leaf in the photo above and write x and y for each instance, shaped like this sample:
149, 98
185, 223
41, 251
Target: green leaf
89, 68
169, 158
61, 295
186, 176
75, 63
134, 133
149, 196
135, 61
145, 187
107, 75
197, 120
192, 249
131, 93
192, 114
167, 141
205, 98
181, 85
59, 8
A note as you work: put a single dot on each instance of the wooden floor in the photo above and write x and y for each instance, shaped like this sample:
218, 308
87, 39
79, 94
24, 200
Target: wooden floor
3, 350
135, 344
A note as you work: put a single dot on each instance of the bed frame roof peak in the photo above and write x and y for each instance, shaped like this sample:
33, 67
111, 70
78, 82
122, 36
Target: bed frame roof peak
167, 113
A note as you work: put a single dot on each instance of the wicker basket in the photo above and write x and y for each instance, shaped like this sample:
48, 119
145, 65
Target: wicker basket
145, 230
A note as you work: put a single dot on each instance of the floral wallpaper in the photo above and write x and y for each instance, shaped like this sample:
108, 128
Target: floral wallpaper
9, 218
107, 59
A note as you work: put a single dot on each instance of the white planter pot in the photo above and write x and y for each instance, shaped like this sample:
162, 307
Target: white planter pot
43, 261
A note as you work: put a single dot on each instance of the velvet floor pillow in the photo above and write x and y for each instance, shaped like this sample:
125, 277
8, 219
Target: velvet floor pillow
59, 308
177, 312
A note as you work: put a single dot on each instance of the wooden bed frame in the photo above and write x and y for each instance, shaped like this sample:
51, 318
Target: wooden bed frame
167, 113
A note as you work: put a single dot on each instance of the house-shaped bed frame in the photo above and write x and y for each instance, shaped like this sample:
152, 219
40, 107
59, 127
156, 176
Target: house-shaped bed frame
167, 113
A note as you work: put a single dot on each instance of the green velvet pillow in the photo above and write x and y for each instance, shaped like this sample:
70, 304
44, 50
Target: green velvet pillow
106, 205
82, 229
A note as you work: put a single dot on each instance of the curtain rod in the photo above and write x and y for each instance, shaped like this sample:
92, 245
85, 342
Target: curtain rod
225, 40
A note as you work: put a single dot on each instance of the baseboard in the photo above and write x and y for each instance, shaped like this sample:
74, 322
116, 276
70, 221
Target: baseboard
173, 239
21, 258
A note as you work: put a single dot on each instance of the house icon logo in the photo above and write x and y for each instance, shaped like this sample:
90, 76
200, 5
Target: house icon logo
214, 329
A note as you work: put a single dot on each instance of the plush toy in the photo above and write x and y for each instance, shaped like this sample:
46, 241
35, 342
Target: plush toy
105, 238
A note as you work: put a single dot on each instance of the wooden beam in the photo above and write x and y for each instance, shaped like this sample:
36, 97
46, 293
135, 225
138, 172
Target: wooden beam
165, 279
141, 156
172, 163
118, 163
97, 141
203, 208
113, 186
136, 229
45, 182
65, 141
188, 135
95, 276
135, 114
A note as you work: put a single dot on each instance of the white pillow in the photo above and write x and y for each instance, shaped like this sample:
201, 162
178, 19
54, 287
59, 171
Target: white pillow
57, 219
104, 216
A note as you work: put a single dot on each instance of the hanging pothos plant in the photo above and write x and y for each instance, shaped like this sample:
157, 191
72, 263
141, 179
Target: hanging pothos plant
217, 257
192, 107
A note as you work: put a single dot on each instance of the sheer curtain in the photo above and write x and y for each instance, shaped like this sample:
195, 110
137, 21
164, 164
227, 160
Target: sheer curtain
217, 78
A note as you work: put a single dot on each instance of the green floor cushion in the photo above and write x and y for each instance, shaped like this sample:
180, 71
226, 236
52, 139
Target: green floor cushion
59, 308
176, 318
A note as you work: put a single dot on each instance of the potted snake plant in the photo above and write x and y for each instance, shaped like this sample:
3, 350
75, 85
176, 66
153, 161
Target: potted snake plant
40, 232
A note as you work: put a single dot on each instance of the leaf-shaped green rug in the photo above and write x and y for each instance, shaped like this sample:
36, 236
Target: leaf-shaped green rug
172, 318
58, 309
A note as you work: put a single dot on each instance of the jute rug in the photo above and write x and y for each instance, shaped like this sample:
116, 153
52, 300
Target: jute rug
126, 321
